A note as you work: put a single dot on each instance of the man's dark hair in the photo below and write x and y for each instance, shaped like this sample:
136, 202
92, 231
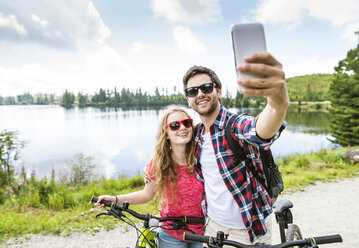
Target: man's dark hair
197, 69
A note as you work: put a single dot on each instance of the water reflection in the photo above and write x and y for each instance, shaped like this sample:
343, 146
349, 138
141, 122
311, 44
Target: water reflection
299, 121
308, 122
122, 141
305, 132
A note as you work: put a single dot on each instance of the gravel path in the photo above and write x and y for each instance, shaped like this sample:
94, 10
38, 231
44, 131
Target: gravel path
321, 209
328, 208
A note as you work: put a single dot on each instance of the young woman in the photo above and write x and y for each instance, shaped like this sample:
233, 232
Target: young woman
173, 178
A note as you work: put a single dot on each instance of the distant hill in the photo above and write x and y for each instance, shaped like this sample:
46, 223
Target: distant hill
313, 87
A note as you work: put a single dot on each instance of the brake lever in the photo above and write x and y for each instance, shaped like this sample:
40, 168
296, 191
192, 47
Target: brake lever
117, 214
114, 213
312, 244
103, 213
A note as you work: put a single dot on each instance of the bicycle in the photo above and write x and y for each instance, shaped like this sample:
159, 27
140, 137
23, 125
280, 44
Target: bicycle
147, 236
221, 239
284, 217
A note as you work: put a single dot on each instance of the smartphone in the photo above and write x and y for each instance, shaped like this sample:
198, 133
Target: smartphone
247, 39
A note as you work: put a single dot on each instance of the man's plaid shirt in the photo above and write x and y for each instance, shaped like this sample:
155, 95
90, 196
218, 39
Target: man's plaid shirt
252, 199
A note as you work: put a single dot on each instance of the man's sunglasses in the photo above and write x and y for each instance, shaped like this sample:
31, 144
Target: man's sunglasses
206, 88
175, 125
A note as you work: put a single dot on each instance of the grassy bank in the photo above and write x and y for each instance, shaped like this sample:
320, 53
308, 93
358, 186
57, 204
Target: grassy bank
50, 207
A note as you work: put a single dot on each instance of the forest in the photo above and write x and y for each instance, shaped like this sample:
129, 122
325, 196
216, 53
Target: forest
306, 88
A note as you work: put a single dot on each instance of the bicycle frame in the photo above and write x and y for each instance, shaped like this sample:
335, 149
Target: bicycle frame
147, 237
283, 220
284, 217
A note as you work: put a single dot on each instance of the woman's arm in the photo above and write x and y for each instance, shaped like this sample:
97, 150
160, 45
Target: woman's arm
134, 198
139, 197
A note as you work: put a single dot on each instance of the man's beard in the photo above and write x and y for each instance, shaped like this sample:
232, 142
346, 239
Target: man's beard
211, 110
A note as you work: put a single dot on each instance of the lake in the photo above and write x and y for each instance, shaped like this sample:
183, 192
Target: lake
122, 141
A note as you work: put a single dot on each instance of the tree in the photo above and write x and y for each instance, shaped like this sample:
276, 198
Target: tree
68, 99
25, 98
226, 100
344, 96
10, 147
81, 168
82, 99
102, 96
9, 100
117, 97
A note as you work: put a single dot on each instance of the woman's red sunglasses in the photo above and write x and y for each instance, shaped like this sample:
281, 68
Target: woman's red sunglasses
175, 125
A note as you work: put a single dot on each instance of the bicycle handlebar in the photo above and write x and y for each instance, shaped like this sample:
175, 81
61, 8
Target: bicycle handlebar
218, 242
197, 238
118, 207
185, 219
336, 238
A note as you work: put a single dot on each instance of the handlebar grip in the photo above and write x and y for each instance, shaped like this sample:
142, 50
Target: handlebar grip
106, 203
197, 238
328, 239
195, 220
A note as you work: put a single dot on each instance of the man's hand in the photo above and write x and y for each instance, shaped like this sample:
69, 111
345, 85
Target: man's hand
272, 86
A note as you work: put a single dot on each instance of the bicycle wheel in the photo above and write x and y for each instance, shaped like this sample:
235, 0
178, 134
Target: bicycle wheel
293, 233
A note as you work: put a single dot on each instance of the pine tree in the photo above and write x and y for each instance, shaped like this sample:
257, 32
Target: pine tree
68, 99
344, 94
82, 99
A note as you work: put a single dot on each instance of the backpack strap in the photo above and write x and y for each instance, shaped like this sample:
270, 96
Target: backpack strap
239, 153
196, 128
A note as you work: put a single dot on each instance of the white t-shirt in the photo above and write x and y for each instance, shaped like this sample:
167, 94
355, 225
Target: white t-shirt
221, 206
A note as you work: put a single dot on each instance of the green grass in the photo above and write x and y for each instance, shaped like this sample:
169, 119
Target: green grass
43, 206
46, 207
299, 171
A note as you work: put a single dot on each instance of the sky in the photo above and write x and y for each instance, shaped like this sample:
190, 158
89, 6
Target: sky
81, 46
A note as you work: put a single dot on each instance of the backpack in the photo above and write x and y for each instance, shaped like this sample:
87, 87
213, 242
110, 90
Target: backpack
274, 185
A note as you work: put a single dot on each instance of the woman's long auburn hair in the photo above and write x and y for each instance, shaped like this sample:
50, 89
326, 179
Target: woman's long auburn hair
165, 169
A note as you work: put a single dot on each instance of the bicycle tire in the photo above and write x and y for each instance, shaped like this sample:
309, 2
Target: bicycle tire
293, 233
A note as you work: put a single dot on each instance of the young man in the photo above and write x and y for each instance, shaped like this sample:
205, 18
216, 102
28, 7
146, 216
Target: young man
235, 201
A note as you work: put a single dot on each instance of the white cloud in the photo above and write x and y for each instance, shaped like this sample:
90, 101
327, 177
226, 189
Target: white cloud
342, 14
71, 22
138, 47
279, 11
186, 41
145, 49
104, 59
27, 78
37, 19
188, 11
10, 21
90, 68
76, 25
104, 31
307, 67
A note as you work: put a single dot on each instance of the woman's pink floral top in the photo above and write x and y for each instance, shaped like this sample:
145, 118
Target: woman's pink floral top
188, 201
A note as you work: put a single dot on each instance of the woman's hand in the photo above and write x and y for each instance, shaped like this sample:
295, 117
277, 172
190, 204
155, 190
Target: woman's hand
101, 198
146, 177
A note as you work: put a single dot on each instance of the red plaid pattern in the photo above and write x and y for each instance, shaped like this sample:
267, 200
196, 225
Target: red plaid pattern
252, 199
